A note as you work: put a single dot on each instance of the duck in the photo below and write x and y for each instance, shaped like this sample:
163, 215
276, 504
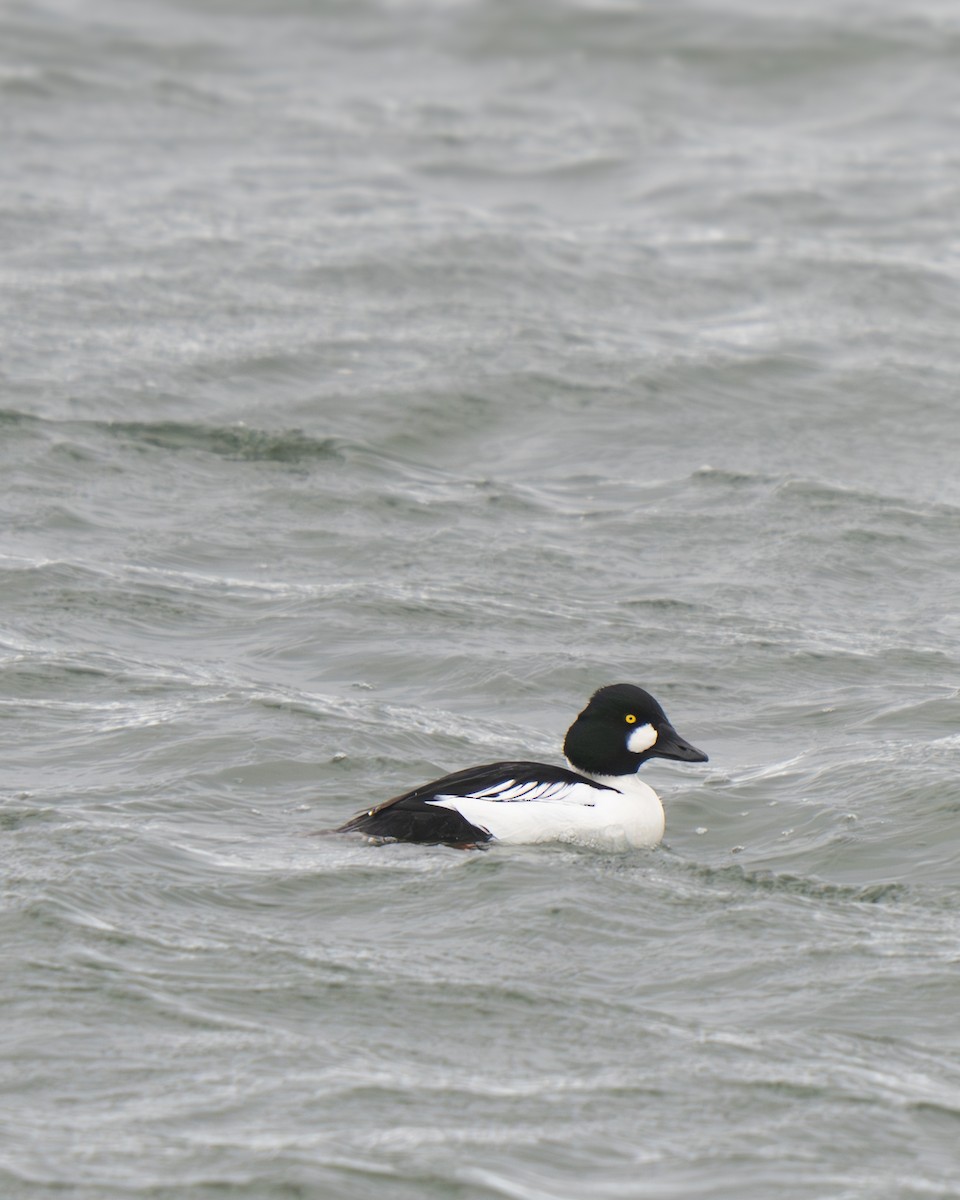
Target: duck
596, 801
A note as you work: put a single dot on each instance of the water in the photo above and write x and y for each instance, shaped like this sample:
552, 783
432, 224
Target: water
379, 379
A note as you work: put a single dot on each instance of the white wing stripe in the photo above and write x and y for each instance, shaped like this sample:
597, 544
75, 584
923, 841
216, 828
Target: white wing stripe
508, 792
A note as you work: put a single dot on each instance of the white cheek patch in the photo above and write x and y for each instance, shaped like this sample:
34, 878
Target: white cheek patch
642, 738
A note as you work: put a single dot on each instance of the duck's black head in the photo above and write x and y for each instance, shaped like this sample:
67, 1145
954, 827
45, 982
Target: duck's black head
620, 729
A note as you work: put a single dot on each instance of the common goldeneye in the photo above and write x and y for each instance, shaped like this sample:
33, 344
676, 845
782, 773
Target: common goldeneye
598, 801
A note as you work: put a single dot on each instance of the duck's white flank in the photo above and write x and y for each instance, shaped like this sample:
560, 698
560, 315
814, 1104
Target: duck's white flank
625, 813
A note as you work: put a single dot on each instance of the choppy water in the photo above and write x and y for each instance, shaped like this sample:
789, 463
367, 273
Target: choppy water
378, 379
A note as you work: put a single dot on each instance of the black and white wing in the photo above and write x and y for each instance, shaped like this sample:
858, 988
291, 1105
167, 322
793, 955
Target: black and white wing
429, 814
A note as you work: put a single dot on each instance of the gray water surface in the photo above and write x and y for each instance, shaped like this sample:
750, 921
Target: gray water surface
378, 379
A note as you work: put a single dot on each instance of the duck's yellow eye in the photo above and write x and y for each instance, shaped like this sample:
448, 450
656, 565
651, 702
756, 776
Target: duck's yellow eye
631, 719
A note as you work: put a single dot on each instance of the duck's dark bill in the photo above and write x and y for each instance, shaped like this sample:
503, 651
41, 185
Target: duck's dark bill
670, 744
